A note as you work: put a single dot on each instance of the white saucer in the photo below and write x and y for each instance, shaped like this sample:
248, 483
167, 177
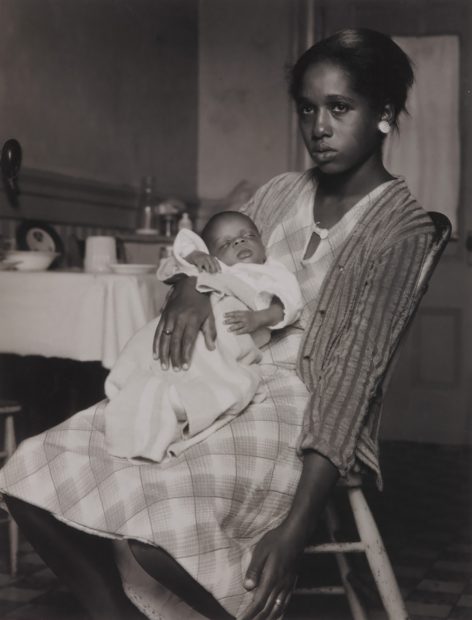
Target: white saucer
147, 231
132, 269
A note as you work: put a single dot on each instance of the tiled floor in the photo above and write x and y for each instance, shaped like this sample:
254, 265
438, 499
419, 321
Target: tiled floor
424, 514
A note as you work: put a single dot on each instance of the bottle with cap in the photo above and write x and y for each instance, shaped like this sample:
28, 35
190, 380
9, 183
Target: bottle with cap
145, 213
185, 222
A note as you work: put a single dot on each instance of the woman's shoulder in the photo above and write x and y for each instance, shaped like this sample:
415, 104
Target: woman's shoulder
401, 213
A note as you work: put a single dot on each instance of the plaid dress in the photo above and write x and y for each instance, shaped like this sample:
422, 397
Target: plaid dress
209, 506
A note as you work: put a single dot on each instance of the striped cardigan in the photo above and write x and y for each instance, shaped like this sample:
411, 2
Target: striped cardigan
365, 302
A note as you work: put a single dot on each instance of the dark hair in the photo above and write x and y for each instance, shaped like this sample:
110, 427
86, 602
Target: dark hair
210, 226
378, 68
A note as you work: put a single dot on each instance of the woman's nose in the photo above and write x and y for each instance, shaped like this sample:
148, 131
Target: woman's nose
321, 124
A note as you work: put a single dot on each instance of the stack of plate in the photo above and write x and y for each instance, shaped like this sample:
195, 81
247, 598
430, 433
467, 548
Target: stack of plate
132, 269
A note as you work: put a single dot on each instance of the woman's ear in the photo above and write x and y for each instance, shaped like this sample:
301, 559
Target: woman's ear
387, 119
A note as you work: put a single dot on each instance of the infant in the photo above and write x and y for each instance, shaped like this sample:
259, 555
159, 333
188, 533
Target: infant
153, 413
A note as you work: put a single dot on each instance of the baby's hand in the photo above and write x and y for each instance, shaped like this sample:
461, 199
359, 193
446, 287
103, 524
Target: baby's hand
242, 321
247, 321
203, 261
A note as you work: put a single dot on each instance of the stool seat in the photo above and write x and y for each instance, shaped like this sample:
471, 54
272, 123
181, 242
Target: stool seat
9, 407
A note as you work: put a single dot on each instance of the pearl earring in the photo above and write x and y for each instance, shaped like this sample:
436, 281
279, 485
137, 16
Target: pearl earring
384, 127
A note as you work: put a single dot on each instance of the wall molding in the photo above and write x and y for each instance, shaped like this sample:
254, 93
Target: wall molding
61, 199
55, 185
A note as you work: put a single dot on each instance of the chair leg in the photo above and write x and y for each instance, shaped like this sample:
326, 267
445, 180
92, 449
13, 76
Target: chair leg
377, 557
355, 605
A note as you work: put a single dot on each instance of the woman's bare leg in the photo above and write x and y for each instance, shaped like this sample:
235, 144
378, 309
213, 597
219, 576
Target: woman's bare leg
85, 563
163, 568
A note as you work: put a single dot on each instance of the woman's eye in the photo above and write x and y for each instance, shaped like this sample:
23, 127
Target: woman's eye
305, 109
339, 108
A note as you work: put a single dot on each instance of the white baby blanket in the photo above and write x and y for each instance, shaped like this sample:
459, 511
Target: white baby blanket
156, 414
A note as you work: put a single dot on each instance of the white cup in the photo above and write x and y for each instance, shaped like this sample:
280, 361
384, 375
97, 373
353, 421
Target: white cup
100, 253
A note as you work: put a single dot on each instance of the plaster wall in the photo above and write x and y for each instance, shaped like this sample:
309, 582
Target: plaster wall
104, 90
243, 106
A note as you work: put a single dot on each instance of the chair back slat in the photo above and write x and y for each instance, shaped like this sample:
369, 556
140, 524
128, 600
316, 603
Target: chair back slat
443, 234
441, 238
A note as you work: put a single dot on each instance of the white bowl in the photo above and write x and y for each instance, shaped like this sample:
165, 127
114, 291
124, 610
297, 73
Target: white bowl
31, 260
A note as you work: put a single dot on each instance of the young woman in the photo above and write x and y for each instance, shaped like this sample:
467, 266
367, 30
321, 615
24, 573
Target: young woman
232, 514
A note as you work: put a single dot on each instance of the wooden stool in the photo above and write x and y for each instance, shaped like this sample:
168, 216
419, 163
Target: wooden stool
8, 410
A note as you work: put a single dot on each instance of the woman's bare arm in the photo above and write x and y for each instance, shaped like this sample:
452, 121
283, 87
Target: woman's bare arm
186, 313
273, 568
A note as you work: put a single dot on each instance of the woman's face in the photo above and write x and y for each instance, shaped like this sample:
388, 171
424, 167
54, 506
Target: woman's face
339, 126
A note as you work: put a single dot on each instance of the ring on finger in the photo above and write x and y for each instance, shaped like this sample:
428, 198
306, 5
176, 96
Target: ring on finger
278, 602
167, 332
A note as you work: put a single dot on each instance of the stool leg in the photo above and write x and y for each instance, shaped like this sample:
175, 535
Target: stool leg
10, 447
377, 557
13, 535
355, 605
10, 439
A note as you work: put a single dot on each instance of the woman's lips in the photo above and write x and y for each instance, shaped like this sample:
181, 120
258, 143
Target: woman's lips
323, 154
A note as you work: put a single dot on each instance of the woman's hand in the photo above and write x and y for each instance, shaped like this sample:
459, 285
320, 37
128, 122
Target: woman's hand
186, 312
272, 572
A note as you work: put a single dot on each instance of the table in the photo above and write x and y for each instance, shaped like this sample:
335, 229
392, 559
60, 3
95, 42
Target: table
75, 315
60, 332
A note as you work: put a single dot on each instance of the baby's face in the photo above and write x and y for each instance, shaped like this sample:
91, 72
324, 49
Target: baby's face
236, 240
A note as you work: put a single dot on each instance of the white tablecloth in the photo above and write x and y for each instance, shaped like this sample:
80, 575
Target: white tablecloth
75, 315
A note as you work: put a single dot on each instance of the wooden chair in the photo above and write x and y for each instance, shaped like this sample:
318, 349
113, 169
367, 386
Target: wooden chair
370, 541
8, 410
